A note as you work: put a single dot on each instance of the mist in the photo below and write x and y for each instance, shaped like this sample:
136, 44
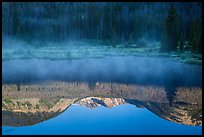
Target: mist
137, 70
102, 54
83, 42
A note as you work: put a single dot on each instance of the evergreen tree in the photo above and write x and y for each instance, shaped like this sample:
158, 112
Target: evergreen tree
181, 43
172, 31
200, 44
119, 22
15, 18
195, 35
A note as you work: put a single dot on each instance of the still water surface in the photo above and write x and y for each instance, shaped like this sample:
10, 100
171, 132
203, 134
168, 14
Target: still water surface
124, 119
116, 95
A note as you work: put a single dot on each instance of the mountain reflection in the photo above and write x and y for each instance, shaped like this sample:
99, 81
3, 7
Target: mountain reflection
30, 104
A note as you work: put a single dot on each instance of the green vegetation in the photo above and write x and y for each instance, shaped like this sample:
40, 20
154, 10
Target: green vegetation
195, 35
173, 36
37, 106
58, 52
172, 31
46, 103
19, 103
8, 101
172, 23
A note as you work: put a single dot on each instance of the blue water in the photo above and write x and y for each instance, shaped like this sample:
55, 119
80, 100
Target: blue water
123, 119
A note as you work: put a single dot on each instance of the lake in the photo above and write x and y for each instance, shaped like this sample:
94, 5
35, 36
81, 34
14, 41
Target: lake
124, 119
112, 95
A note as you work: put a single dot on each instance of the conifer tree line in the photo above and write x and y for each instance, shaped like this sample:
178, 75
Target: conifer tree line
177, 25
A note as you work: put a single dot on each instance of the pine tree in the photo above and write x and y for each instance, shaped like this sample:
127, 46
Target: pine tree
172, 31
195, 35
181, 45
15, 18
200, 44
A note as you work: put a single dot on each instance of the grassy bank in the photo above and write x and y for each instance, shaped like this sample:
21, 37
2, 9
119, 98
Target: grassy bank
80, 50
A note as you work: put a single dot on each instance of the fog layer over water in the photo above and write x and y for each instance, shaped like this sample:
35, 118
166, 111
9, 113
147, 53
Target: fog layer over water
138, 70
